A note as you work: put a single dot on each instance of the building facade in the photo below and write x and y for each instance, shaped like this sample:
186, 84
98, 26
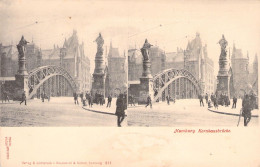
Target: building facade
116, 71
71, 57
194, 59
135, 62
197, 62
245, 75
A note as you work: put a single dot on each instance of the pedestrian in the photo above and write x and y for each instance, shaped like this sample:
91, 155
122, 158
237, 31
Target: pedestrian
42, 96
120, 110
168, 100
212, 97
215, 100
246, 110
201, 100
209, 104
234, 102
23, 98
109, 100
76, 98
90, 102
149, 101
207, 98
81, 97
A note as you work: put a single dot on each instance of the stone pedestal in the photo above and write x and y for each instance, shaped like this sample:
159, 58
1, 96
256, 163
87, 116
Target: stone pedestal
147, 69
98, 86
223, 85
21, 85
146, 89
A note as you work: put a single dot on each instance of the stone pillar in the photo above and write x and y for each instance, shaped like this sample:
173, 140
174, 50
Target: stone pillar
223, 78
98, 84
146, 81
21, 78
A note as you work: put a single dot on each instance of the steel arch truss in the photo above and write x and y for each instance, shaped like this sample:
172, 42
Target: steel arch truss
38, 76
168, 80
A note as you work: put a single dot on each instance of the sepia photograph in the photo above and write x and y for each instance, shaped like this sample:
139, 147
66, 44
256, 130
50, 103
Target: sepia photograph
193, 69
128, 83
66, 67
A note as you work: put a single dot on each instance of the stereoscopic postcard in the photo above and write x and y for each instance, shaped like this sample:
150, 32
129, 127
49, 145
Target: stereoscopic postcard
129, 83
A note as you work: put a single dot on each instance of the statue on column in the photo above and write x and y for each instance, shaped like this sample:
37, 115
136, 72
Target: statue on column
21, 46
100, 43
223, 43
145, 51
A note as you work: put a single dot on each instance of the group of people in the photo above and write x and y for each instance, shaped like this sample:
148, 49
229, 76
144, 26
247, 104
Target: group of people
248, 103
215, 100
88, 98
131, 100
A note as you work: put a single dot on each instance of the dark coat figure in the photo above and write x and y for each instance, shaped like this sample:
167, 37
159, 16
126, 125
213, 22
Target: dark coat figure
42, 96
149, 101
246, 110
212, 97
227, 101
201, 100
109, 100
81, 97
76, 98
168, 100
207, 98
23, 98
234, 105
90, 101
120, 110
87, 96
215, 101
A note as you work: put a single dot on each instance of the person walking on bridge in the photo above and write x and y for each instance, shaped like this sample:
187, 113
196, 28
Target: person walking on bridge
109, 100
23, 98
168, 100
90, 100
207, 98
76, 98
234, 102
120, 109
246, 110
149, 101
201, 100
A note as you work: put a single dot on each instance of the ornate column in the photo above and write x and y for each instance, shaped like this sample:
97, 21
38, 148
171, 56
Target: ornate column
223, 78
99, 73
146, 81
21, 78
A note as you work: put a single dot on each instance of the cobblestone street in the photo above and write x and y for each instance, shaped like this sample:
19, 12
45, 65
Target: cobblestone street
60, 111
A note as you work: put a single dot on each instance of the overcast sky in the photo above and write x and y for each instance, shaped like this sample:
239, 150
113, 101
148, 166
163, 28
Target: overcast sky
128, 23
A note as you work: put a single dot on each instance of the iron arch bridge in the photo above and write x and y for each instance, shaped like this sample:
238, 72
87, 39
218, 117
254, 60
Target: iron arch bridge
52, 80
176, 83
